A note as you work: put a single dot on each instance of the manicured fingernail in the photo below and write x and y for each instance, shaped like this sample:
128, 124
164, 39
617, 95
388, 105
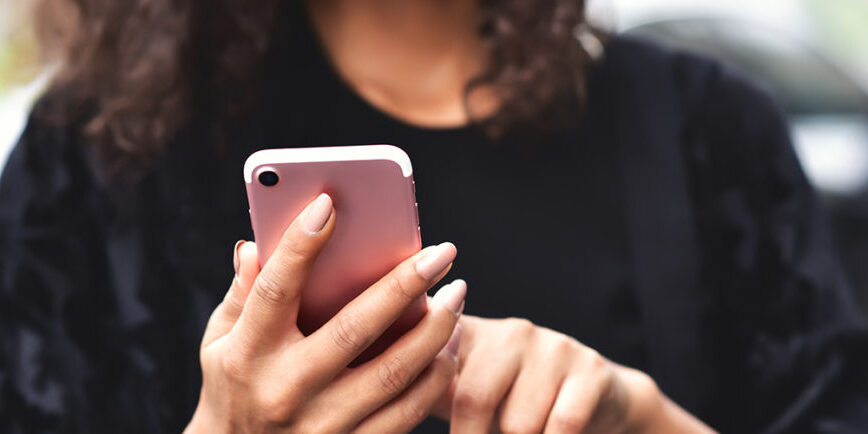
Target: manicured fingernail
435, 259
317, 214
451, 347
452, 296
236, 259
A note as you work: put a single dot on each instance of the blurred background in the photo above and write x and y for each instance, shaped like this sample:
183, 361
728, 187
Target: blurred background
811, 55
22, 75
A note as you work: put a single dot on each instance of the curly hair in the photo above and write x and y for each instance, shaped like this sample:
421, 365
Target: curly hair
135, 73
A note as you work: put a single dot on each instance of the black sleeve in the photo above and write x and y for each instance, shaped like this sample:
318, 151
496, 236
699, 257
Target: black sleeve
52, 282
793, 341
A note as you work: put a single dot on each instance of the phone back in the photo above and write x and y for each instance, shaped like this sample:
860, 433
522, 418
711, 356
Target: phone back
376, 222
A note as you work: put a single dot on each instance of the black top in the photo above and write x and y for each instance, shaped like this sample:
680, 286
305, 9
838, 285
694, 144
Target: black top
106, 288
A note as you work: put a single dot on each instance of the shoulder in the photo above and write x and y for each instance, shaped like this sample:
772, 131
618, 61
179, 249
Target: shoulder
693, 81
742, 174
49, 167
48, 136
723, 120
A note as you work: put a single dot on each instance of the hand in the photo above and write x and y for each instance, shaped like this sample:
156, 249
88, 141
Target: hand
516, 377
261, 374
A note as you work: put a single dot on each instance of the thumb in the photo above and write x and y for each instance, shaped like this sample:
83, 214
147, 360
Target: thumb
246, 263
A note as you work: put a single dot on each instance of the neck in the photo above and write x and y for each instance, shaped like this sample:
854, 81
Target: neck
410, 58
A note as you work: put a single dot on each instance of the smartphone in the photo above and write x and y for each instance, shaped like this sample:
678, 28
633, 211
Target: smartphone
376, 222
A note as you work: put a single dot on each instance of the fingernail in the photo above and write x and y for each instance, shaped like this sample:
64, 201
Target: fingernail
435, 259
236, 259
452, 296
451, 347
317, 214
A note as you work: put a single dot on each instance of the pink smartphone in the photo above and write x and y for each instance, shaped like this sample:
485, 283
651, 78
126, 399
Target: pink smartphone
376, 222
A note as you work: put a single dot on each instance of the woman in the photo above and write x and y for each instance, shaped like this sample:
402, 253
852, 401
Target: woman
640, 210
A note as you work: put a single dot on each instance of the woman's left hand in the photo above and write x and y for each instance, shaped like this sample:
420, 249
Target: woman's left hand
516, 377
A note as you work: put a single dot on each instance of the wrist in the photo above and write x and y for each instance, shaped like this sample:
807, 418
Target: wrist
650, 411
646, 404
197, 425
204, 422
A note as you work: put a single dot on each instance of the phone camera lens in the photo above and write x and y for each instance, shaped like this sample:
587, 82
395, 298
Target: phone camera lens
268, 178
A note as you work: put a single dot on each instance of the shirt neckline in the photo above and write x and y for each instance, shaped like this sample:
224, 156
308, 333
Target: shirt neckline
324, 64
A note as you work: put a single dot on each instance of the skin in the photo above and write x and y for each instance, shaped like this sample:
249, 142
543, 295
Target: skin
516, 377
410, 59
260, 374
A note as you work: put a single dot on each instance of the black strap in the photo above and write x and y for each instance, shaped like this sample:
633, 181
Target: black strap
660, 230
664, 259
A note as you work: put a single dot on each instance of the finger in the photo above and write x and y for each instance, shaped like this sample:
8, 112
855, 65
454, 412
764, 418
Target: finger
443, 408
531, 397
412, 407
481, 387
272, 306
359, 323
576, 402
246, 264
378, 381
246, 269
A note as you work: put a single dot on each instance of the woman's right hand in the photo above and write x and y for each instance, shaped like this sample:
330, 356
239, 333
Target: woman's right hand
261, 374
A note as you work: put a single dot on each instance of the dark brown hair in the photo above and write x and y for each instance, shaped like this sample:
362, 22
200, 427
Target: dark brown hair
128, 66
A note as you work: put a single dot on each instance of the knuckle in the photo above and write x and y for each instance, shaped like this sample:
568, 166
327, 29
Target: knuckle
414, 412
607, 381
395, 285
268, 290
469, 400
595, 360
277, 403
444, 367
520, 327
562, 346
646, 383
394, 375
643, 385
568, 421
519, 424
234, 365
273, 407
348, 333
296, 251
232, 303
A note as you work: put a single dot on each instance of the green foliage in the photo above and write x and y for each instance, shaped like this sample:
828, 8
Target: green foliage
19, 54
844, 26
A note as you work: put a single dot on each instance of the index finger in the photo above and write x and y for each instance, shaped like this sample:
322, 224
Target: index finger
337, 343
272, 306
